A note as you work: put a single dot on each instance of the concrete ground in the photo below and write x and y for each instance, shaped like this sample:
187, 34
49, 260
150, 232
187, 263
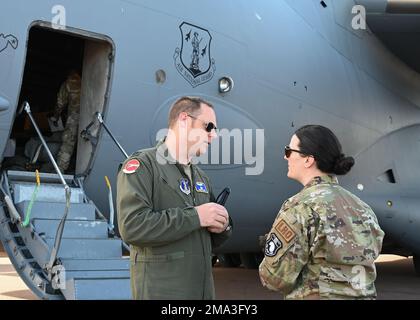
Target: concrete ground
11, 286
396, 280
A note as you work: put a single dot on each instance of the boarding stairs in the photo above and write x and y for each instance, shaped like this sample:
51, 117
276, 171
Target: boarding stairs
90, 262
59, 242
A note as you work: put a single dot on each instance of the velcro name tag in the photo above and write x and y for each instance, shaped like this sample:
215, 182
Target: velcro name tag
285, 230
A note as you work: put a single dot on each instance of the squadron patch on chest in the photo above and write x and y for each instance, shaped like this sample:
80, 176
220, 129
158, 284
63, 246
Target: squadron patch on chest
201, 187
184, 185
272, 245
131, 166
285, 230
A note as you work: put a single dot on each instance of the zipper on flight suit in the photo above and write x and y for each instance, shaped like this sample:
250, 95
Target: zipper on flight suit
201, 236
192, 184
182, 171
185, 176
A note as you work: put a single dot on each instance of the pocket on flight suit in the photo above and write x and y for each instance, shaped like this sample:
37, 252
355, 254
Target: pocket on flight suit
136, 276
163, 273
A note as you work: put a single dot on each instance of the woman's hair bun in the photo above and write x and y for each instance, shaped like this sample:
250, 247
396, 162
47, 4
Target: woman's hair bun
343, 164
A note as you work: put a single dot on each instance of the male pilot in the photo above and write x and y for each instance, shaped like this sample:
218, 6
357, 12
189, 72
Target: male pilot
166, 209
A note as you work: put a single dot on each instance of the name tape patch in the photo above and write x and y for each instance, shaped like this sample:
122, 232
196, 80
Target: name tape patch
285, 230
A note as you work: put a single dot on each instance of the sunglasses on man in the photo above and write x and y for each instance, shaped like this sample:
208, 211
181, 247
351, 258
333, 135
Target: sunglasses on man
208, 126
288, 151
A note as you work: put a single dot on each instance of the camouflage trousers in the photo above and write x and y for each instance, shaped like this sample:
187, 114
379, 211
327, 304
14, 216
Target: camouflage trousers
69, 141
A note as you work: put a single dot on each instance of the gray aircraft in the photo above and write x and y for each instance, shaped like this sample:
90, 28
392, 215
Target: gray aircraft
268, 67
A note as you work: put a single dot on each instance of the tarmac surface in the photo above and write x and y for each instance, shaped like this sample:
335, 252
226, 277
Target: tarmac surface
396, 281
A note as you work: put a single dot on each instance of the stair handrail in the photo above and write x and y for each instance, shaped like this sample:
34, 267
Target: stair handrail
85, 133
101, 121
14, 215
98, 212
59, 234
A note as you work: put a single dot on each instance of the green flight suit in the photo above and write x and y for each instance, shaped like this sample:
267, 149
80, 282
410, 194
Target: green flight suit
171, 255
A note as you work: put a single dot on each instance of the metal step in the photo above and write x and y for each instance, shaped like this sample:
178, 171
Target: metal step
72, 228
92, 263
96, 264
91, 278
23, 191
97, 289
55, 210
88, 248
27, 176
103, 274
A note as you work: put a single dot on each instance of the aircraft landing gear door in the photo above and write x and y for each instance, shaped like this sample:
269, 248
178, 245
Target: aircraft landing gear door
95, 84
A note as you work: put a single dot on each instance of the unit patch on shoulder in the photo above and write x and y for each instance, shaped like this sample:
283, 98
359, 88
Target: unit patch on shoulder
273, 245
131, 166
285, 230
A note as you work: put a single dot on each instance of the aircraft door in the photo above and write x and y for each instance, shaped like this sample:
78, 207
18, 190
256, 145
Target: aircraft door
95, 80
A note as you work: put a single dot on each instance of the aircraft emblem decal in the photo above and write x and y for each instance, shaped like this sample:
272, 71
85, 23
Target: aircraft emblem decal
193, 60
5, 41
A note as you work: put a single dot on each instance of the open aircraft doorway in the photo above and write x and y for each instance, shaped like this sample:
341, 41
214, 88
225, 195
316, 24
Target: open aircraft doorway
51, 56
75, 254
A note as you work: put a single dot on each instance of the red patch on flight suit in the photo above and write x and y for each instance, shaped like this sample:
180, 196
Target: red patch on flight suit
131, 166
285, 230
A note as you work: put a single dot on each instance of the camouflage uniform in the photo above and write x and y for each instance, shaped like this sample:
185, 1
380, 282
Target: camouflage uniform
69, 95
323, 245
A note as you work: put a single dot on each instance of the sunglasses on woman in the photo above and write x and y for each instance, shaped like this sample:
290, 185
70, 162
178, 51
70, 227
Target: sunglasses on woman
288, 151
208, 126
